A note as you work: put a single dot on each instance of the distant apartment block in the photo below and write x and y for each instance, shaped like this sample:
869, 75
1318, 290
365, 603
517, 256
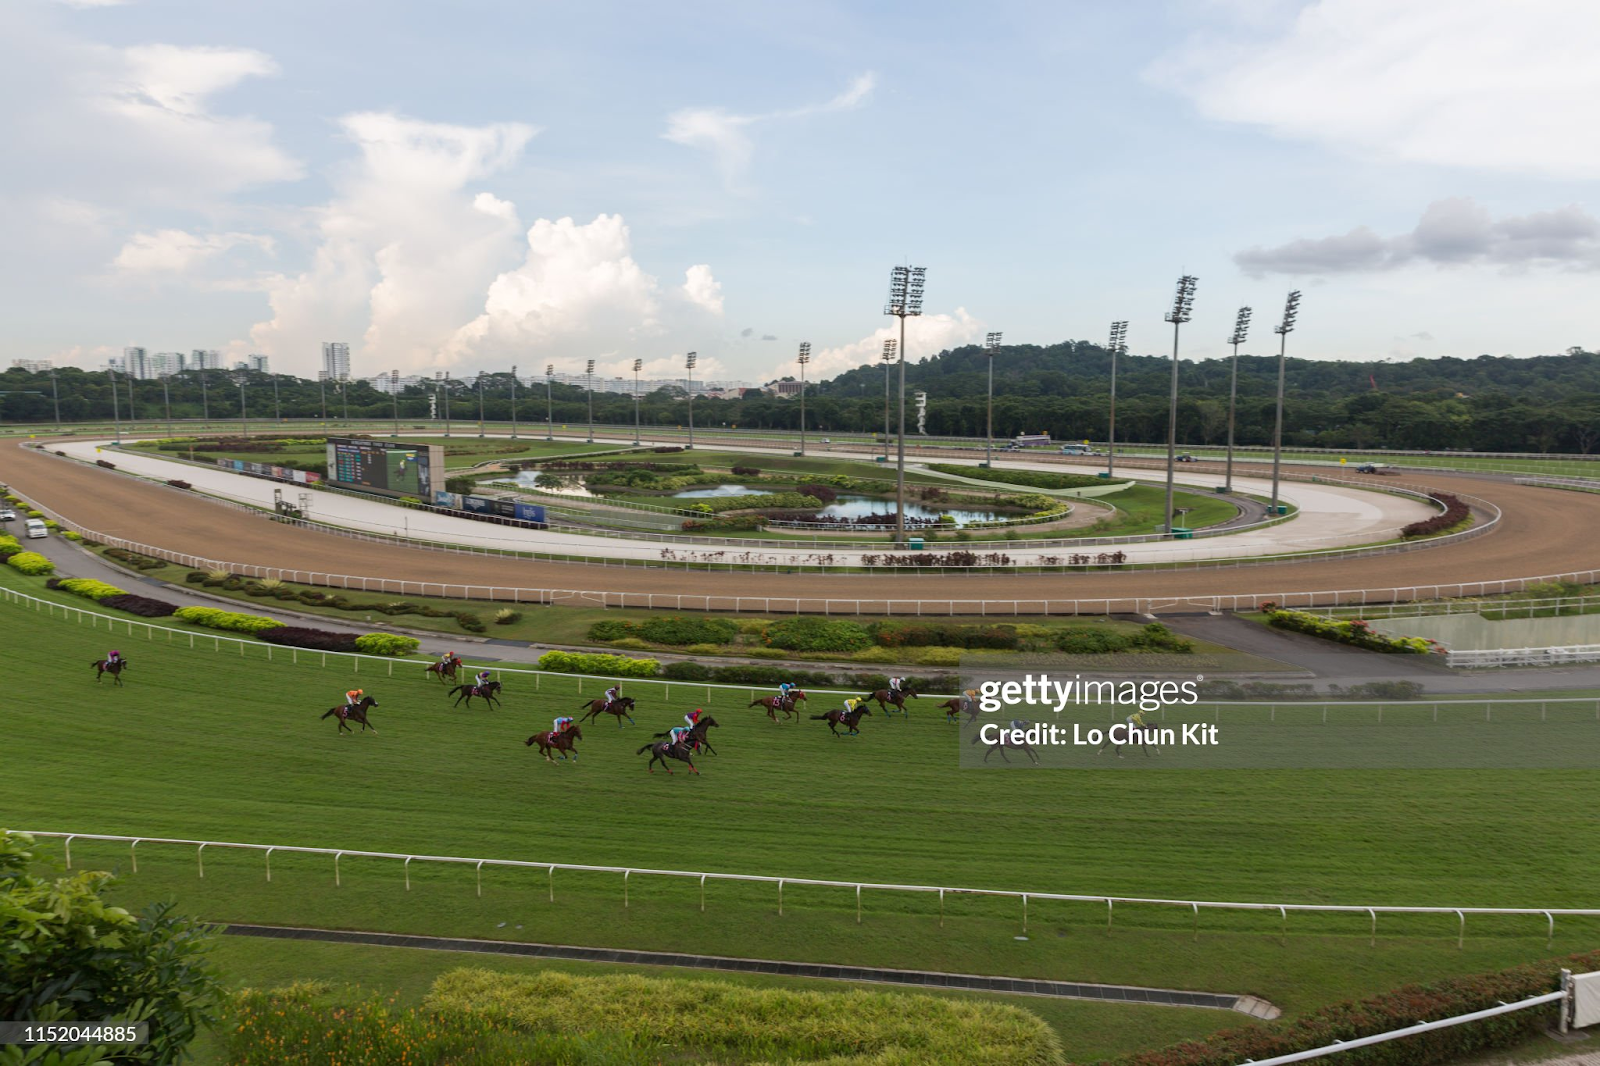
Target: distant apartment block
335, 361
33, 366
204, 359
259, 363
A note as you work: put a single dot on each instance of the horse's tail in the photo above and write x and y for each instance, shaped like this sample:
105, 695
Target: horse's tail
819, 718
658, 734
331, 710
587, 703
530, 741
644, 749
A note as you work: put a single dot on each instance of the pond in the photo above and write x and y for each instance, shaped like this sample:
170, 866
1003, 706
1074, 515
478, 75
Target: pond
562, 486
1472, 632
849, 506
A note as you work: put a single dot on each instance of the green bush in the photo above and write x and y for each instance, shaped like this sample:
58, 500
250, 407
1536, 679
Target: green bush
212, 618
1038, 479
31, 563
609, 629
686, 671
470, 622
1079, 641
1157, 637
9, 546
939, 657
89, 588
134, 559
681, 631
816, 634
75, 537
386, 644
1349, 631
631, 644
772, 500
194, 577
599, 665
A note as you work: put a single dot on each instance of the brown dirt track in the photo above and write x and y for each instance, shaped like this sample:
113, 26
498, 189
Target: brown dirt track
1542, 532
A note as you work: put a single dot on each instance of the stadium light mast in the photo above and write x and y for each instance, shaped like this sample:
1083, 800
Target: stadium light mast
116, 414
480, 403
277, 408
1241, 329
803, 358
1118, 345
589, 374
549, 404
638, 365
446, 385
55, 390
889, 347
344, 399
394, 400
1182, 307
905, 301
991, 348
1291, 311
513, 401
166, 399
322, 384
688, 362
244, 422
205, 401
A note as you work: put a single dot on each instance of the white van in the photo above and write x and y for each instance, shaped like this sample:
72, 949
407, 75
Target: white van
35, 527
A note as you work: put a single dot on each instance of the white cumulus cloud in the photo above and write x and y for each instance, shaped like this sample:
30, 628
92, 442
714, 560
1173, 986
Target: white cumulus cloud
702, 289
1467, 83
925, 335
175, 251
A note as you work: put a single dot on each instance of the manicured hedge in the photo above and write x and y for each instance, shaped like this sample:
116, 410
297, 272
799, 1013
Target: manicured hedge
31, 563
1455, 512
678, 632
923, 635
314, 639
134, 559
1355, 632
9, 546
568, 662
88, 588
1399, 1009
212, 618
386, 644
143, 606
1084, 640
1038, 479
816, 634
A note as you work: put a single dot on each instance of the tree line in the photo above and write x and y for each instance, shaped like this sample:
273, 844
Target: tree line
1490, 403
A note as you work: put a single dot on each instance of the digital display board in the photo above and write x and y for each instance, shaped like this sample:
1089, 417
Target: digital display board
384, 466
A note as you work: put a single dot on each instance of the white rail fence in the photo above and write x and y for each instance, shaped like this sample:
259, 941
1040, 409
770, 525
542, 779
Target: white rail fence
1541, 607
1194, 906
1578, 483
1553, 656
274, 652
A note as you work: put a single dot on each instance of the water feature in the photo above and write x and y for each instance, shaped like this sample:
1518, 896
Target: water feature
849, 506
1473, 632
559, 485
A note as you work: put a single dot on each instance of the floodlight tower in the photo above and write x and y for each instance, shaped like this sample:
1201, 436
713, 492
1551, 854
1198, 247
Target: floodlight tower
240, 379
1182, 307
905, 301
513, 402
549, 404
803, 358
1291, 311
991, 348
116, 415
480, 403
1118, 345
166, 398
589, 374
55, 391
688, 362
638, 364
889, 347
1241, 329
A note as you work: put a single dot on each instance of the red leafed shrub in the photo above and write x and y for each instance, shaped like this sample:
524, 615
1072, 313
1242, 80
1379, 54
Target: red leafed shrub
821, 492
143, 606
1399, 1009
750, 471
1455, 512
102, 462
179, 484
314, 639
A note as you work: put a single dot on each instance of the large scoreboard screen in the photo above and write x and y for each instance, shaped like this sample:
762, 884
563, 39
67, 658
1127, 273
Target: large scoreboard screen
385, 466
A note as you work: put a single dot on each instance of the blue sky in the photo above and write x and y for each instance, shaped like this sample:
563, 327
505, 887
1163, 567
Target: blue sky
482, 184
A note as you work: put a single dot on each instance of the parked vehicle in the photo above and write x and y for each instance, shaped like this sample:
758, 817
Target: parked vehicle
1187, 458
8, 515
1375, 468
35, 527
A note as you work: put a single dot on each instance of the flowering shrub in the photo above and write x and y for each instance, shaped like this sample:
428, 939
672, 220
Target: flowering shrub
816, 634
1354, 632
31, 563
212, 618
9, 546
386, 644
570, 662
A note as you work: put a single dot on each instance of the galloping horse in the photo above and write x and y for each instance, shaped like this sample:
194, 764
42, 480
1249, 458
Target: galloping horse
598, 707
483, 692
887, 698
1006, 742
550, 740
106, 666
954, 708
698, 737
358, 713
786, 704
1136, 735
849, 719
664, 750
444, 671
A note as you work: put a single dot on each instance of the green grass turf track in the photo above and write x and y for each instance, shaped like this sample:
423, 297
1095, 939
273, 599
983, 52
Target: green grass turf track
227, 746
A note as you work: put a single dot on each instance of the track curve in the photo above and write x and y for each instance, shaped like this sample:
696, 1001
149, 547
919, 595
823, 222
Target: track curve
1543, 532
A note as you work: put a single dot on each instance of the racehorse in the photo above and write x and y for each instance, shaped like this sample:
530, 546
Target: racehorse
954, 708
698, 735
550, 740
358, 713
106, 666
664, 750
849, 719
786, 704
1006, 742
1136, 735
620, 708
887, 698
483, 692
444, 671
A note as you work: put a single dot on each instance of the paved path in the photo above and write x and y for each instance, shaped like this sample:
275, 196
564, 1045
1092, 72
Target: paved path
1012, 986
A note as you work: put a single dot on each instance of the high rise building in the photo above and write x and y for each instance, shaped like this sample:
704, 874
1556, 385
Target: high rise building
164, 364
205, 359
134, 362
336, 361
32, 366
258, 363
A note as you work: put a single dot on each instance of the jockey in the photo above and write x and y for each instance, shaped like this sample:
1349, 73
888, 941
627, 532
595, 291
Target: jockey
352, 697
852, 703
783, 692
894, 684
561, 725
447, 659
678, 735
693, 717
969, 698
113, 658
1135, 726
613, 694
482, 680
